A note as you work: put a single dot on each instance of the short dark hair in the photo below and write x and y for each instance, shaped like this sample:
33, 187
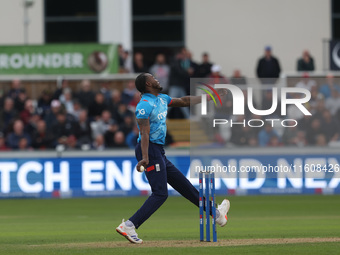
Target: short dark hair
140, 82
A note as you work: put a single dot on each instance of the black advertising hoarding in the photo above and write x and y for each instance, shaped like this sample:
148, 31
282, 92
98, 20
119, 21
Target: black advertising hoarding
334, 55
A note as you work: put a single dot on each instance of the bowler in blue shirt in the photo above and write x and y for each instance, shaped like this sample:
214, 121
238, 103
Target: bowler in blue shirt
151, 114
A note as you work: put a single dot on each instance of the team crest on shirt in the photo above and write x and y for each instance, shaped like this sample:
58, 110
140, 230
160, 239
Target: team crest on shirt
162, 100
141, 111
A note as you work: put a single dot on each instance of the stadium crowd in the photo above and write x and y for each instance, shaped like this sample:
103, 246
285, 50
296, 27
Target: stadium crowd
319, 129
74, 119
88, 119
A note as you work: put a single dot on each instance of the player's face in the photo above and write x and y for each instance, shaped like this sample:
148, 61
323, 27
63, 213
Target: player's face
154, 83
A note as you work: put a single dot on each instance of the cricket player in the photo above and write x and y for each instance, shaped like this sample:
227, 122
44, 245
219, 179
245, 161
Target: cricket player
151, 115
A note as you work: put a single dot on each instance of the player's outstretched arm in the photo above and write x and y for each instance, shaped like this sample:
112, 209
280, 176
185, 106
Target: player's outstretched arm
185, 101
192, 100
144, 126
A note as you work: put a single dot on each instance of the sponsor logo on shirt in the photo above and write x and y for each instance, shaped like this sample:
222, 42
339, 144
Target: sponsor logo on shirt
141, 111
162, 115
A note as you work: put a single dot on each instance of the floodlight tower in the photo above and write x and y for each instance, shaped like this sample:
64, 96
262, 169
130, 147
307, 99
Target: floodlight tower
27, 5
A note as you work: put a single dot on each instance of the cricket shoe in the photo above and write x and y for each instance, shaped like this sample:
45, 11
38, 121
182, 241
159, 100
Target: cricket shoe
223, 208
129, 233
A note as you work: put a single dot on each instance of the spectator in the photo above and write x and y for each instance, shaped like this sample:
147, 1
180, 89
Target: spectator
14, 138
99, 143
8, 114
110, 134
62, 129
326, 89
131, 138
101, 125
255, 131
301, 139
133, 103
28, 111
20, 101
42, 139
121, 56
240, 134
321, 140
306, 82
128, 92
44, 102
82, 130
138, 63
274, 141
3, 146
290, 135
31, 126
66, 100
119, 140
333, 103
193, 69
315, 97
61, 85
186, 61
247, 112
85, 95
314, 131
51, 115
76, 109
267, 102
71, 143
216, 77
15, 89
330, 127
120, 113
23, 144
116, 99
266, 134
97, 107
253, 142
128, 65
243, 135
179, 78
268, 67
128, 124
306, 62
104, 89
161, 71
2, 95
237, 78
204, 69
320, 107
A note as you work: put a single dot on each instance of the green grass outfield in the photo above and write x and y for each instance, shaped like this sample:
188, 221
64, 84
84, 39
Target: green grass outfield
257, 225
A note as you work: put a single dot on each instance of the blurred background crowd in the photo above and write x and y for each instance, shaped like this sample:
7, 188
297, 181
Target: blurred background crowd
89, 118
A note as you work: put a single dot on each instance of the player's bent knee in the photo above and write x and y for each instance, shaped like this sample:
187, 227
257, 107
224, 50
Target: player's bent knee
161, 196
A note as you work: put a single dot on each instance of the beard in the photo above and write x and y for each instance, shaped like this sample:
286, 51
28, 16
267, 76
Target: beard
158, 87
